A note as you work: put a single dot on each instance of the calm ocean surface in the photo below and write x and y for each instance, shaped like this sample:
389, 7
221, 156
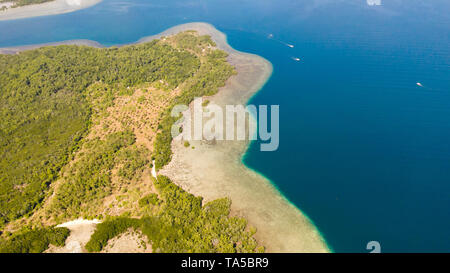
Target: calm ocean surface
364, 151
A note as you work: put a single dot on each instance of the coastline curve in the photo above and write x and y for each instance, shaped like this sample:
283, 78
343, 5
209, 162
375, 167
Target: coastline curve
215, 170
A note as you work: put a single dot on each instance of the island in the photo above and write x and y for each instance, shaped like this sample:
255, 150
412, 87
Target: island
89, 163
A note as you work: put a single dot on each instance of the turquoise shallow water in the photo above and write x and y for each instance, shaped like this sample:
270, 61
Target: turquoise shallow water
364, 151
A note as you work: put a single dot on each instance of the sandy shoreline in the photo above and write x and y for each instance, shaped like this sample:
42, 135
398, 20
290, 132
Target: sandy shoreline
48, 8
214, 170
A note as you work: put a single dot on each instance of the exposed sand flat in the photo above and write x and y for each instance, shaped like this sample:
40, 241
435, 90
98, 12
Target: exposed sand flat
48, 8
214, 169
80, 233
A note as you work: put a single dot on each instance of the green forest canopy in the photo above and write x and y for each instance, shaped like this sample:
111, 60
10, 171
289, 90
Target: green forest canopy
45, 113
183, 225
46, 107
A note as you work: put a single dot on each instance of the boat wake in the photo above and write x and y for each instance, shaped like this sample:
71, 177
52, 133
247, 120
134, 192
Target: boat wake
270, 36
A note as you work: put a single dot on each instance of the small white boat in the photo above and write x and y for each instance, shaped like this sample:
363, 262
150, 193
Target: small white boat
419, 84
291, 46
296, 59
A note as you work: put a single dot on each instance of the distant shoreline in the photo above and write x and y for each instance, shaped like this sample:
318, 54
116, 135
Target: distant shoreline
47, 8
18, 49
216, 170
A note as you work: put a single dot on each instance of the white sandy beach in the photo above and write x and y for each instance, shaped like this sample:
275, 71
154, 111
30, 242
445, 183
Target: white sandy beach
214, 169
48, 8
80, 233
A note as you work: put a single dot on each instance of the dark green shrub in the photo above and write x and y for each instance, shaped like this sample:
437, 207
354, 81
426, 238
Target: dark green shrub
34, 240
108, 230
150, 199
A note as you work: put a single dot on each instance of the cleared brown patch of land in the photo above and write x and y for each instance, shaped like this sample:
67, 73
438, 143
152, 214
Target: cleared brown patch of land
129, 242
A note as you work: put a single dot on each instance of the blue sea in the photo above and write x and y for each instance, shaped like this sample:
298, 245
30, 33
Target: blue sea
364, 151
